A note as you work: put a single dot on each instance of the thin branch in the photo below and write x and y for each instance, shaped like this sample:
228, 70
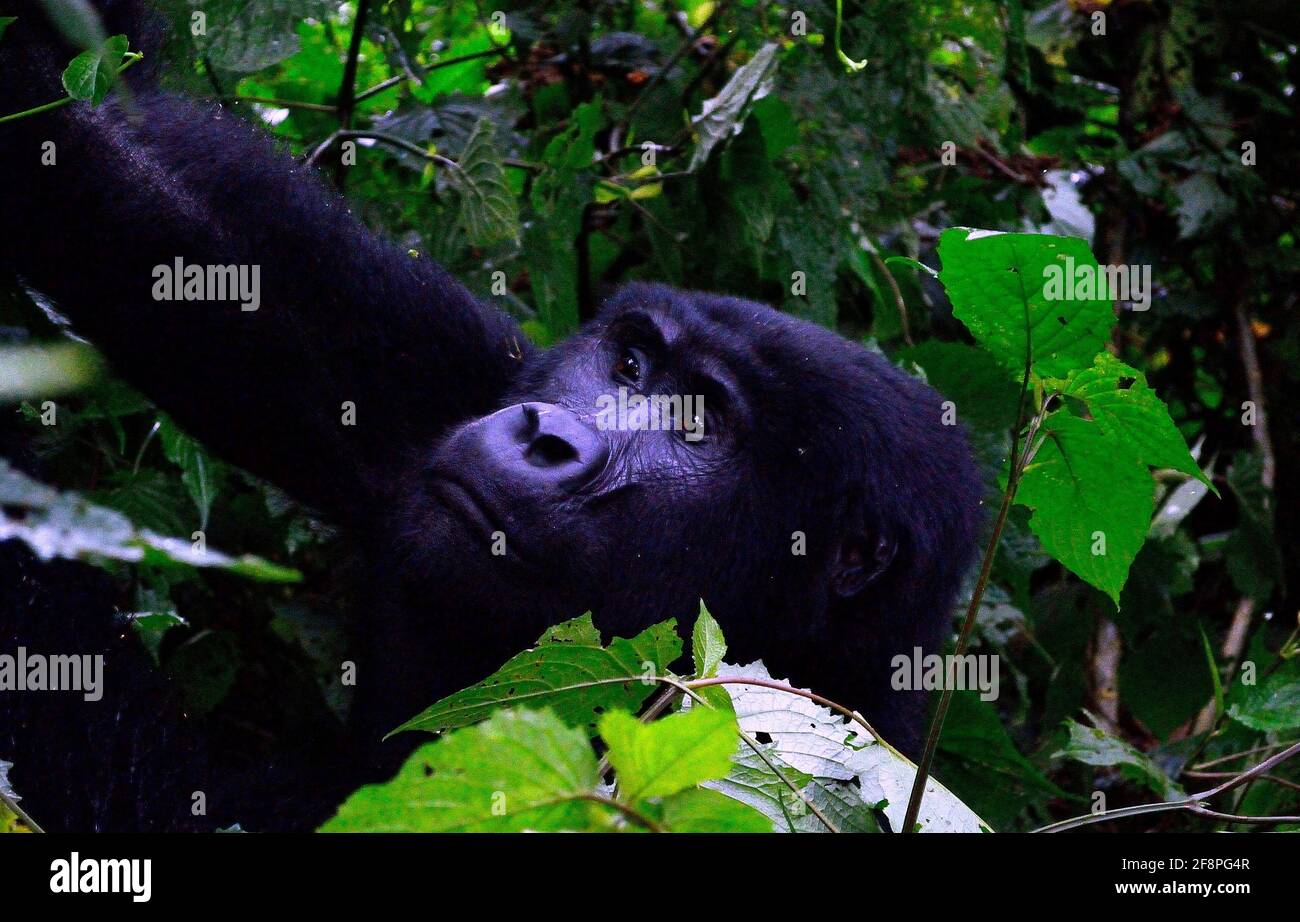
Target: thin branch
904, 326
1017, 466
1193, 804
436, 65
283, 103
1214, 776
1238, 755
347, 90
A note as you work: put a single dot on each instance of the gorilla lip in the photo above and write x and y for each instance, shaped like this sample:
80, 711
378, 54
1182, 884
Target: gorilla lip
466, 505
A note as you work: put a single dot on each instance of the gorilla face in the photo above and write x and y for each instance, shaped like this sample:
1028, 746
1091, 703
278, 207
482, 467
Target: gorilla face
598, 482
762, 463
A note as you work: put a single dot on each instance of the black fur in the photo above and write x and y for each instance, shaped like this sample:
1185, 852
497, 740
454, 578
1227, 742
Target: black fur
807, 432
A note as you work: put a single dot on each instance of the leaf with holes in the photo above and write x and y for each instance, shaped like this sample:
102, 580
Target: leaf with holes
998, 287
1124, 406
569, 672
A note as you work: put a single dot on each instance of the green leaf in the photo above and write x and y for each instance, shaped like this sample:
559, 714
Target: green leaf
5, 22
517, 770
724, 115
998, 287
1273, 704
198, 470
669, 755
91, 73
1092, 500
702, 810
574, 676
1124, 406
55, 524
488, 210
1093, 746
708, 646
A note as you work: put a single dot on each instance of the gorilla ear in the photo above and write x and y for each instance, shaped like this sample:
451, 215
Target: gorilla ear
859, 562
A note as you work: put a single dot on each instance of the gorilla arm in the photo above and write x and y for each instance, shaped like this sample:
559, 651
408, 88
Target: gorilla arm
341, 316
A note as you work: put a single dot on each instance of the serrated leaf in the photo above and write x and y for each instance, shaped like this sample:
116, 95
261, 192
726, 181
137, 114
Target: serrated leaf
575, 677
55, 524
666, 756
1092, 500
90, 74
997, 285
724, 115
1093, 746
488, 210
1119, 399
708, 646
517, 770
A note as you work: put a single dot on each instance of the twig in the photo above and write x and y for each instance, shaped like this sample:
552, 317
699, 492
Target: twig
1192, 804
1213, 776
904, 326
283, 103
1017, 466
436, 65
347, 90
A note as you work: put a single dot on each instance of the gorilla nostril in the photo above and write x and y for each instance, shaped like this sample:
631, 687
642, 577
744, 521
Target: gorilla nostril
550, 451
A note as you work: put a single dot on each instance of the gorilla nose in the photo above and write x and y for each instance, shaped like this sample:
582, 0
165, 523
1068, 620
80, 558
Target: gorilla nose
559, 447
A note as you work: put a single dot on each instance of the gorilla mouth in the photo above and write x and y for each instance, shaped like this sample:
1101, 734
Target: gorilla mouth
467, 506
479, 518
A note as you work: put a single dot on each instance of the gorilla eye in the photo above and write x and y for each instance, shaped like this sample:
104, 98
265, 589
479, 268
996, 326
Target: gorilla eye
629, 366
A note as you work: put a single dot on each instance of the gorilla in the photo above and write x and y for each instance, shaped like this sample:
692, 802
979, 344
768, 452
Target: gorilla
825, 513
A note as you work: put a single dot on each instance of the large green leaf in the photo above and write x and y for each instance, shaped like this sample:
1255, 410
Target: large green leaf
997, 285
569, 672
669, 755
1092, 500
517, 770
